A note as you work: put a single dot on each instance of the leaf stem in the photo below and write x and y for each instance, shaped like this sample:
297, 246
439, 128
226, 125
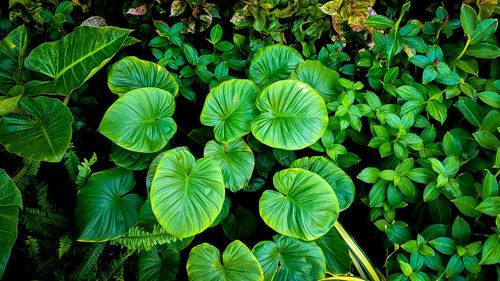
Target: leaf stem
66, 99
20, 174
463, 50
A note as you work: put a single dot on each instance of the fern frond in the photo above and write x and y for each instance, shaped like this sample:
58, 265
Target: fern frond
84, 171
116, 268
137, 239
71, 163
90, 262
41, 196
33, 248
64, 245
38, 220
30, 170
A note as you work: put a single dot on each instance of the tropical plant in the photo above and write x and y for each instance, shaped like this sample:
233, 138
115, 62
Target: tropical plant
264, 130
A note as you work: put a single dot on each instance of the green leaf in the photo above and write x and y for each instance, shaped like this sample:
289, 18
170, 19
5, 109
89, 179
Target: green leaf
238, 263
490, 98
429, 74
132, 73
483, 31
437, 110
455, 266
491, 250
12, 53
468, 65
483, 51
185, 190
42, 135
216, 34
287, 258
490, 185
273, 63
236, 161
468, 18
320, 77
444, 245
335, 251
157, 264
487, 140
369, 175
190, 53
230, 108
340, 182
490, 206
240, 225
379, 21
471, 111
467, 205
140, 120
305, 206
461, 231
223, 212
293, 116
409, 93
104, 208
397, 234
10, 203
73, 59
130, 160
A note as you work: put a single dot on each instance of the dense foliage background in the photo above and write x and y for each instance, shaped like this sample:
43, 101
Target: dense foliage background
388, 137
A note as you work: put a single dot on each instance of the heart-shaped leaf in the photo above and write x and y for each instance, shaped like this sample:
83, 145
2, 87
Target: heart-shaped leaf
132, 73
140, 120
230, 107
186, 195
340, 182
236, 161
12, 52
320, 77
288, 258
293, 116
43, 135
158, 264
104, 208
73, 59
238, 263
305, 207
273, 63
10, 203
240, 225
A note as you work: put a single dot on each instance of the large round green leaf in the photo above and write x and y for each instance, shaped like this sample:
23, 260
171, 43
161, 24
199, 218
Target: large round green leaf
230, 107
238, 263
288, 258
340, 182
320, 77
10, 203
335, 251
186, 195
132, 73
158, 265
293, 116
305, 207
236, 161
273, 63
42, 135
129, 159
140, 120
104, 208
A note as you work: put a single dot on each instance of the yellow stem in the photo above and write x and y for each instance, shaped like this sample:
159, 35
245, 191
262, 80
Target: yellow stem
463, 50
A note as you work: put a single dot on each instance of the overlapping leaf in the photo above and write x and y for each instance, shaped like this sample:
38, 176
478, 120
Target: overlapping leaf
140, 120
293, 116
186, 195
